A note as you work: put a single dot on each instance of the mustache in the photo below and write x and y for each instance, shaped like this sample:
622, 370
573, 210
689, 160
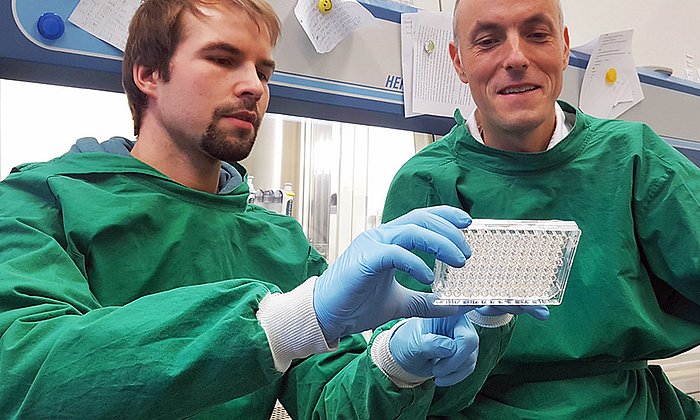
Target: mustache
230, 109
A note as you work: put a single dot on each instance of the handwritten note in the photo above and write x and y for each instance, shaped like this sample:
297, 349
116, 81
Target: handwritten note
429, 77
326, 30
407, 63
108, 20
611, 84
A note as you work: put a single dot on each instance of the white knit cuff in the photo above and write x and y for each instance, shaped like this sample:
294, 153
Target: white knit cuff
291, 326
382, 358
489, 321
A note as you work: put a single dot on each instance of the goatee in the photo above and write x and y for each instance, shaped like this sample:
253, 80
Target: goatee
232, 146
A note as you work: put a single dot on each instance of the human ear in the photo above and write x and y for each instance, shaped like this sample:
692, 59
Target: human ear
567, 49
457, 62
146, 79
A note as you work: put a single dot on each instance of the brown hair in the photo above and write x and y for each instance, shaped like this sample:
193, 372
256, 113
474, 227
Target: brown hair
155, 32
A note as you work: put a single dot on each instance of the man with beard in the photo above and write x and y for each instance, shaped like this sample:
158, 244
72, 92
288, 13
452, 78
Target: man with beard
136, 281
633, 293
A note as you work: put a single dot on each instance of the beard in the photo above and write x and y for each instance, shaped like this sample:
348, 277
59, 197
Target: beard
233, 145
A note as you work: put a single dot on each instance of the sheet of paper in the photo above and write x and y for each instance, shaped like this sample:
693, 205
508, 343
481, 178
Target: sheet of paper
326, 30
407, 63
689, 66
108, 20
436, 88
611, 84
588, 47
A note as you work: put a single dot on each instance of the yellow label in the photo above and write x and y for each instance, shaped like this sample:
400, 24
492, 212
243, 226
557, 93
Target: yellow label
611, 76
325, 6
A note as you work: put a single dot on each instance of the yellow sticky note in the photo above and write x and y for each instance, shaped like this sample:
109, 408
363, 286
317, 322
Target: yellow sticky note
325, 6
611, 76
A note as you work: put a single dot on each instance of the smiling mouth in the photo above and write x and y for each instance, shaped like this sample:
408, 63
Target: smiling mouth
516, 90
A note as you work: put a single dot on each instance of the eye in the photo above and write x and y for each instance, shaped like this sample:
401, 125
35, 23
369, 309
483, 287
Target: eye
221, 61
486, 43
265, 73
539, 36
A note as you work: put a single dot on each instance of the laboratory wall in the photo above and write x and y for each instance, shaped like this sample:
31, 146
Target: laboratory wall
39, 122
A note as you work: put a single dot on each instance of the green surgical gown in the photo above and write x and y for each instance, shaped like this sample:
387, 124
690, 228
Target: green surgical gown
634, 289
126, 295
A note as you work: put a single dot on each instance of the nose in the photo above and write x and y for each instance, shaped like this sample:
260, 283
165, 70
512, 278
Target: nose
248, 83
516, 57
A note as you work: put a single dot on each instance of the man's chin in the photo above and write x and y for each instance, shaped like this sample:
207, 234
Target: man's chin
229, 149
521, 121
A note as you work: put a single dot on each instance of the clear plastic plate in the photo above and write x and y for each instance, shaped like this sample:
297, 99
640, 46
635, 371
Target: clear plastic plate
513, 262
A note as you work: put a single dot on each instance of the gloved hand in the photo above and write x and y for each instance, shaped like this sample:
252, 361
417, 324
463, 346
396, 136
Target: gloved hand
538, 312
358, 292
446, 348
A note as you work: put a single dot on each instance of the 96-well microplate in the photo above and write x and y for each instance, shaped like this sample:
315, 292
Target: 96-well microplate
513, 262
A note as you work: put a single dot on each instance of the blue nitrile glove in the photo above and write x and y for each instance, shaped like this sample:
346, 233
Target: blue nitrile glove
358, 292
444, 348
538, 312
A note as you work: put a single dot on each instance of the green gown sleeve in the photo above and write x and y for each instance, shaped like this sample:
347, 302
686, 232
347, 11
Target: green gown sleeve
357, 390
63, 354
666, 204
361, 391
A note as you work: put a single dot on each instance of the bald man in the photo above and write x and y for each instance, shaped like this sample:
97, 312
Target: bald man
634, 290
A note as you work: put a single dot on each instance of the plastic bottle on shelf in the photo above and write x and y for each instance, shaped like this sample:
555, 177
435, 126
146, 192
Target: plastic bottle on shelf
251, 188
287, 198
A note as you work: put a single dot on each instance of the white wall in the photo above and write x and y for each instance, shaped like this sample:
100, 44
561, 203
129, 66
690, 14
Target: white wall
665, 31
39, 122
